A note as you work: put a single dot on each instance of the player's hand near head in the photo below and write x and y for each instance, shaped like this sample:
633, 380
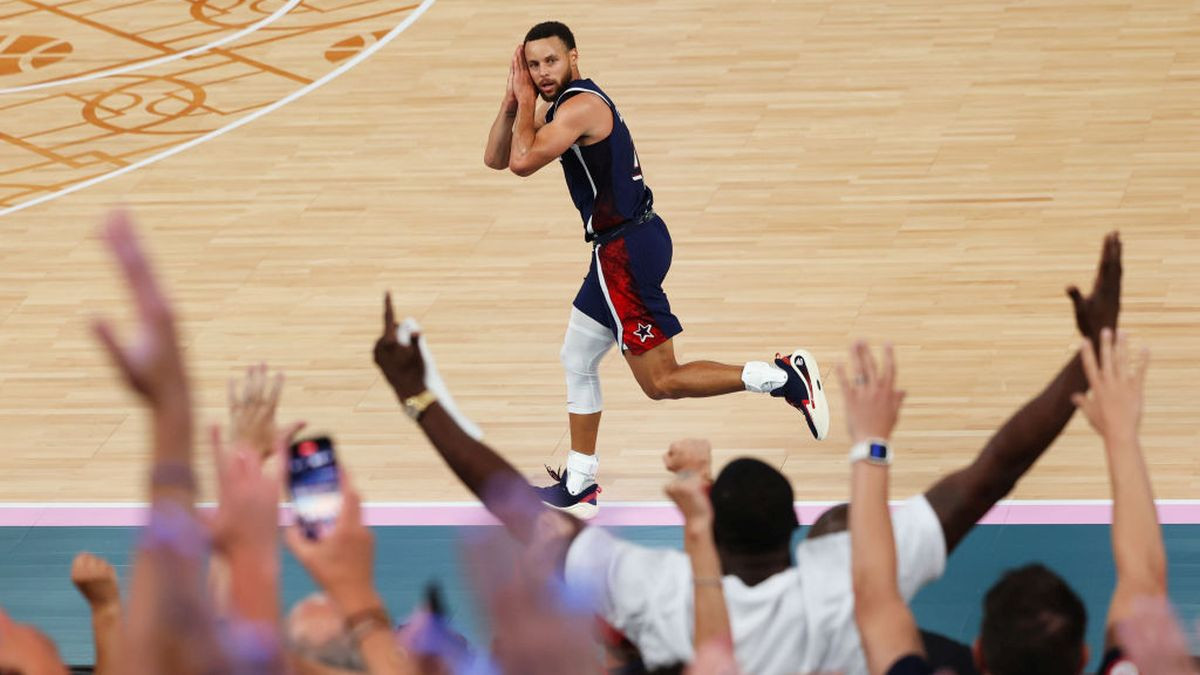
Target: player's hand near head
151, 363
690, 454
872, 401
510, 96
1100, 308
1114, 404
402, 365
523, 89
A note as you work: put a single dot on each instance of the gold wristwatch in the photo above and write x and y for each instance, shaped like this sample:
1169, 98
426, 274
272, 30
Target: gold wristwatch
415, 406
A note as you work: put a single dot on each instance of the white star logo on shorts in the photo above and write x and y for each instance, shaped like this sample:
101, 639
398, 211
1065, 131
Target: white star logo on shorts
644, 331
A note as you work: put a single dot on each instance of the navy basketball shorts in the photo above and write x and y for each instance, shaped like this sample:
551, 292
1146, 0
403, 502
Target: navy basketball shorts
623, 288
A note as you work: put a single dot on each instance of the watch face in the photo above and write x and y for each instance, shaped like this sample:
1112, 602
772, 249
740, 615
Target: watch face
878, 451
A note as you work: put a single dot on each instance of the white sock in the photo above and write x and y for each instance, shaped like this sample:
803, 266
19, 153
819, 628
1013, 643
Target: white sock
581, 471
762, 377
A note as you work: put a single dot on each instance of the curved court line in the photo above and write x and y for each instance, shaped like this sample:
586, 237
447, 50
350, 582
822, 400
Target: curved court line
347, 65
166, 58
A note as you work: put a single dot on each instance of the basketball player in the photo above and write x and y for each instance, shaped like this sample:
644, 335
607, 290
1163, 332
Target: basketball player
621, 300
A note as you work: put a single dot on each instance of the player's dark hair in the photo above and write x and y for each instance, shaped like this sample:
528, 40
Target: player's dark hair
547, 29
1033, 624
752, 508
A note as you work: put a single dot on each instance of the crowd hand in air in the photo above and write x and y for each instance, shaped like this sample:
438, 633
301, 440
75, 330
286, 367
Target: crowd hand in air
151, 363
248, 488
96, 581
871, 400
402, 365
252, 407
690, 454
1100, 308
341, 560
689, 492
1115, 401
1153, 639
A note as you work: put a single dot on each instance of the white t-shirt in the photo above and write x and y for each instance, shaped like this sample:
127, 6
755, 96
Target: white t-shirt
797, 621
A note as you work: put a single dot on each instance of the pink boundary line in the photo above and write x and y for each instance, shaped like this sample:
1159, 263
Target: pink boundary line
613, 514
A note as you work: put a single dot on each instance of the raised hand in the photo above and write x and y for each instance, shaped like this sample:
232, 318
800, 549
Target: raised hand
510, 97
1100, 308
1115, 401
690, 494
252, 409
341, 560
401, 365
96, 581
690, 454
872, 401
1153, 639
151, 364
523, 88
248, 491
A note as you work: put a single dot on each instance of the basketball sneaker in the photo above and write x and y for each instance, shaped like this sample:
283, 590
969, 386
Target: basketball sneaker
583, 505
804, 391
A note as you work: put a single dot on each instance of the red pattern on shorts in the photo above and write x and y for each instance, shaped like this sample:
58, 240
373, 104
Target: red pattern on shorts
639, 331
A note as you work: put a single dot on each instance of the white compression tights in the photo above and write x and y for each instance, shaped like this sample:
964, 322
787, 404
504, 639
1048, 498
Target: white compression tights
586, 343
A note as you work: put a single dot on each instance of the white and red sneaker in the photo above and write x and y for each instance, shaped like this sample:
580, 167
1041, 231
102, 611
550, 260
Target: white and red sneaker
804, 391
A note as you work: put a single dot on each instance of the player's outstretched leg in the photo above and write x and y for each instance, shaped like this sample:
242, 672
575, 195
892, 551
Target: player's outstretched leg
574, 489
796, 378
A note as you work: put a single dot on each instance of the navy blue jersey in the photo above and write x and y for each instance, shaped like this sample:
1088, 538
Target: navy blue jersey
605, 178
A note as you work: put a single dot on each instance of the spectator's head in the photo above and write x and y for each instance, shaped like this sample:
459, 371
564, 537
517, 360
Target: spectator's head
316, 634
753, 512
1033, 624
835, 519
25, 649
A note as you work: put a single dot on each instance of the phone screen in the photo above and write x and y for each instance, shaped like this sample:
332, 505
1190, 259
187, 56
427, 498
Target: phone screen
313, 479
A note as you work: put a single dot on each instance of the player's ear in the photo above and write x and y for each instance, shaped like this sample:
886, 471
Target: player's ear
574, 54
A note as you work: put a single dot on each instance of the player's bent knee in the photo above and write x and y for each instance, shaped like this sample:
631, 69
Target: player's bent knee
583, 348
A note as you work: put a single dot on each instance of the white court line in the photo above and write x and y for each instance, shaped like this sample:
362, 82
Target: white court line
350, 63
139, 65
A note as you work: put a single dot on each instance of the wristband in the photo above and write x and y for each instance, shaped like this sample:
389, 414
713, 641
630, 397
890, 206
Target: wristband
873, 451
364, 622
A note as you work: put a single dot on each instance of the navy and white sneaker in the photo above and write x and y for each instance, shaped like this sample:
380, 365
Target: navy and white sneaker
583, 505
804, 391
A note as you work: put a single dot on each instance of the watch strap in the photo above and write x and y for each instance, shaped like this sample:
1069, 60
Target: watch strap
415, 406
872, 450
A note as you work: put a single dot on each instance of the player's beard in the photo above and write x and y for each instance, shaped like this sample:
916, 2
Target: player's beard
561, 85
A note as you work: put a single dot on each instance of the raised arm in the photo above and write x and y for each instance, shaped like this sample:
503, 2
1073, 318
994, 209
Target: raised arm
872, 403
152, 366
963, 497
689, 491
481, 469
536, 146
1114, 410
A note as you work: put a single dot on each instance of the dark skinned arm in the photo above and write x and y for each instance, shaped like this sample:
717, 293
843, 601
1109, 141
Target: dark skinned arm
963, 497
502, 489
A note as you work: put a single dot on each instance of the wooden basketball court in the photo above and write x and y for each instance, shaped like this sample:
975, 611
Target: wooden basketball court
928, 173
